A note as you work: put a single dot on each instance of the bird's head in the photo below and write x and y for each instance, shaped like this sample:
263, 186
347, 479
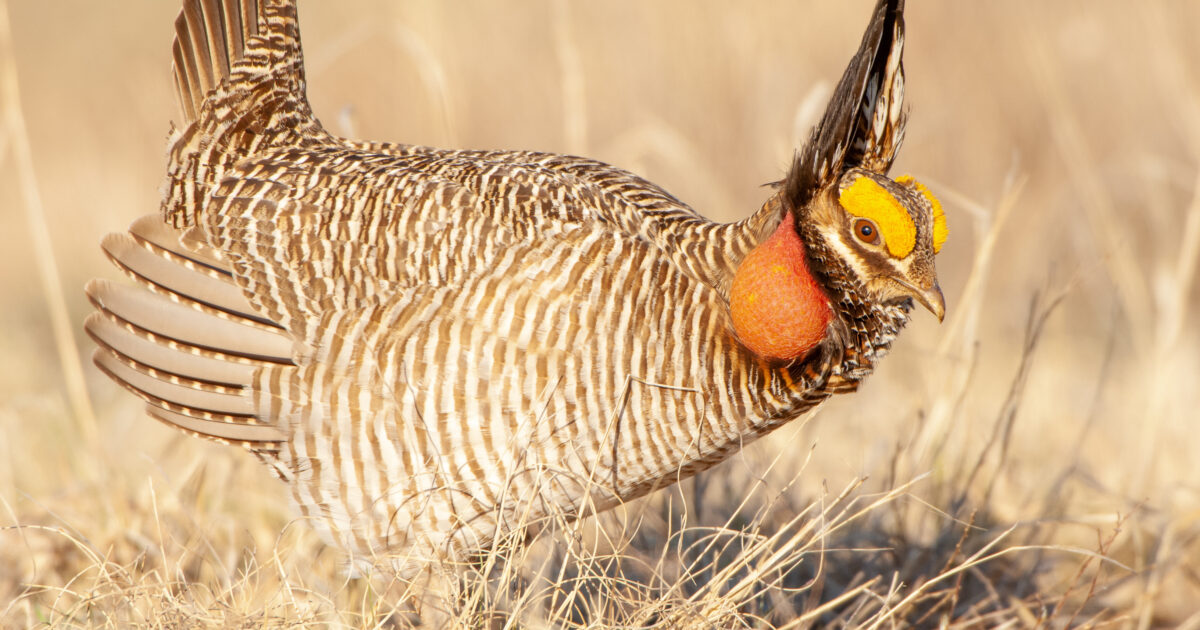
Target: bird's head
885, 233
838, 219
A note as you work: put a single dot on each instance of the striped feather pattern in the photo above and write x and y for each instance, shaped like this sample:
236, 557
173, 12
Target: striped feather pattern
184, 339
434, 347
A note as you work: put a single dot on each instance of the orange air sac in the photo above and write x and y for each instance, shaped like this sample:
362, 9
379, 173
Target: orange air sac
779, 312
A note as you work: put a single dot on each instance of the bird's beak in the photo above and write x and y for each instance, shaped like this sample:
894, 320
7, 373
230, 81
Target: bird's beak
933, 300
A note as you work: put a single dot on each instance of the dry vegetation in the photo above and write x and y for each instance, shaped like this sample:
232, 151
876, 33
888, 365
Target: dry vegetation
1032, 461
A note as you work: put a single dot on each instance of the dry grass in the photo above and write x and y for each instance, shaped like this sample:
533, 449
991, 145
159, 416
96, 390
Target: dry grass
1029, 462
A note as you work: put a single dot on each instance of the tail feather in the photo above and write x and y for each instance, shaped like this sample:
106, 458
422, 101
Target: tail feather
186, 82
210, 38
239, 74
186, 340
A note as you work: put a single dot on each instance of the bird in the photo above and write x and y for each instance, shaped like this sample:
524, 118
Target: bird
434, 349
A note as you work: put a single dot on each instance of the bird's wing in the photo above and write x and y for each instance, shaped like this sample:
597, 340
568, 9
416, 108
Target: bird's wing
185, 340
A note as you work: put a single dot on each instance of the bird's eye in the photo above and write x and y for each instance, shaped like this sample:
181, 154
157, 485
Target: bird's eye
866, 231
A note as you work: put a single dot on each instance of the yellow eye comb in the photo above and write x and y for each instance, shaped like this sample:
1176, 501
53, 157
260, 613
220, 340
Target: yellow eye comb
940, 232
867, 199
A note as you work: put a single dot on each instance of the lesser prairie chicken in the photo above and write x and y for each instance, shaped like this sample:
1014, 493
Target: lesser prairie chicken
431, 346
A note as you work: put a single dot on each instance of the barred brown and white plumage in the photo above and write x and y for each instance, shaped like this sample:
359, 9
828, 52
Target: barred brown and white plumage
431, 346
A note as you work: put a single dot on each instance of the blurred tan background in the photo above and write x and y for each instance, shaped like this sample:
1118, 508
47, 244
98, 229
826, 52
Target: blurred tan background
1062, 137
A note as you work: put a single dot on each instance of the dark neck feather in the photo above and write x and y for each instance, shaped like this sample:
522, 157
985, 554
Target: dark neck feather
863, 329
860, 334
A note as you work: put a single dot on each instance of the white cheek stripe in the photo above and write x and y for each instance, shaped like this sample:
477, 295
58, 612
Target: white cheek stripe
834, 238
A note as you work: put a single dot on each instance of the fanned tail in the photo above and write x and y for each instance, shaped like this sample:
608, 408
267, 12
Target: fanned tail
185, 340
210, 37
239, 75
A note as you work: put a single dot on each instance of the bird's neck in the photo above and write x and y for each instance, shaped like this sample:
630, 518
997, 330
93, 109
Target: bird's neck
858, 332
778, 309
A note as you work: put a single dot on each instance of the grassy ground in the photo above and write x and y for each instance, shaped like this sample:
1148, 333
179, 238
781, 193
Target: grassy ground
1031, 461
